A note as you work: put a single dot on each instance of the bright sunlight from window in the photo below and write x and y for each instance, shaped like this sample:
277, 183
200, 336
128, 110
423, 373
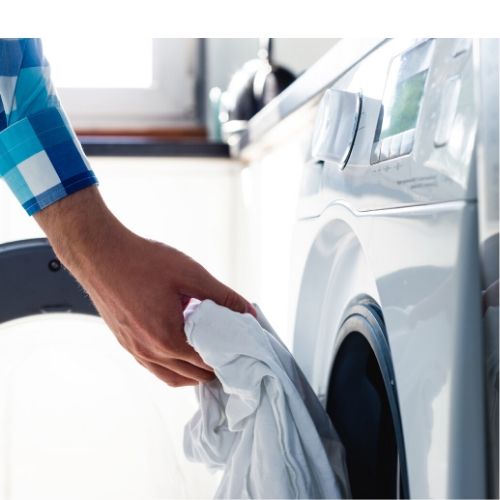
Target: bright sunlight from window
95, 62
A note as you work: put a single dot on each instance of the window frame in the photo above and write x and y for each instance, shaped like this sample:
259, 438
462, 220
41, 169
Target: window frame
164, 105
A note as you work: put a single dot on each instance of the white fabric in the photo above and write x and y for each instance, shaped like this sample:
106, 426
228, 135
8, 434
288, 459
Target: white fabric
260, 422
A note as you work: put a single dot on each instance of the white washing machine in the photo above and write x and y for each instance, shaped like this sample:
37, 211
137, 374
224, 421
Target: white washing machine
387, 266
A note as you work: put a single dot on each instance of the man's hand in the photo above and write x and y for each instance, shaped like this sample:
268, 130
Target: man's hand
140, 287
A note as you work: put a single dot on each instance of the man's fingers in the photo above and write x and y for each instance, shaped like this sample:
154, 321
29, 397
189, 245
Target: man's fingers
177, 347
190, 371
188, 354
205, 286
179, 373
172, 378
177, 344
195, 359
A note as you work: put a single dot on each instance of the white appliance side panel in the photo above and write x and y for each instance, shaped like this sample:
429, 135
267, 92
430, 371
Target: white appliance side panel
428, 279
421, 265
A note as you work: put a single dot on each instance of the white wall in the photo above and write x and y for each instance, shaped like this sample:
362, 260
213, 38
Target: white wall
225, 56
298, 54
189, 203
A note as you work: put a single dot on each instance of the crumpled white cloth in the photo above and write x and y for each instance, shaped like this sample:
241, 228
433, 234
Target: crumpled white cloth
260, 421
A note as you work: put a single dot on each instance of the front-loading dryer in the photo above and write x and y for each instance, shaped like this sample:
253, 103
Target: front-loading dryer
387, 312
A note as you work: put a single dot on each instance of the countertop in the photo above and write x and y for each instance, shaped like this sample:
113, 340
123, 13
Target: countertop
137, 146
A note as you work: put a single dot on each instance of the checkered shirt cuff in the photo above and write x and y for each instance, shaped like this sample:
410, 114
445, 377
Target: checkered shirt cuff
42, 160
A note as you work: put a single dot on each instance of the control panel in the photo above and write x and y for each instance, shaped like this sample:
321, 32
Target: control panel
401, 103
397, 129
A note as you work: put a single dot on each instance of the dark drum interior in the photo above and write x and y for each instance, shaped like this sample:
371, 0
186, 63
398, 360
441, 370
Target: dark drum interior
362, 403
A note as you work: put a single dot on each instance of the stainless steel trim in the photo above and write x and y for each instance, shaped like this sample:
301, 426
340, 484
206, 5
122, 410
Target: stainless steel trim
486, 58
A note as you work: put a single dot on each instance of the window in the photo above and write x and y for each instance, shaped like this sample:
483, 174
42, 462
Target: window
126, 83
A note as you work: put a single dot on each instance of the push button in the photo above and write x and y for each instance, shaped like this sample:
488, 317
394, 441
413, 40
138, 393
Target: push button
375, 156
392, 147
395, 148
407, 140
385, 149
447, 111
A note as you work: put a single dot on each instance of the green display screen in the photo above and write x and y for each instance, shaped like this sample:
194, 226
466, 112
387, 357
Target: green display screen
401, 112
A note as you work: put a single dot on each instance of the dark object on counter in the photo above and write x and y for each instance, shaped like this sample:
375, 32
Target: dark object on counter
253, 86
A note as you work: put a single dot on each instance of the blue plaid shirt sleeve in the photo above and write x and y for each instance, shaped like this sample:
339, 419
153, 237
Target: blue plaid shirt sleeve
41, 158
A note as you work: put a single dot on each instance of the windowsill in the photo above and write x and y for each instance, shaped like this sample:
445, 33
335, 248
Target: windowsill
152, 146
167, 132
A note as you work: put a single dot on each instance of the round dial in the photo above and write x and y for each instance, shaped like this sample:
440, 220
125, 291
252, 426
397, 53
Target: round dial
336, 125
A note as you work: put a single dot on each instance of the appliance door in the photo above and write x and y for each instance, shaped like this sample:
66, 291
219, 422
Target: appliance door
79, 417
363, 405
35, 282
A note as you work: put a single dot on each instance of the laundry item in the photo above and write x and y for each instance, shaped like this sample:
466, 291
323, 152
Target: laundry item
259, 421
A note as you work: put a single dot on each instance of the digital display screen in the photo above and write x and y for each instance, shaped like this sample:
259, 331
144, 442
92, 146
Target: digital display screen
401, 113
404, 91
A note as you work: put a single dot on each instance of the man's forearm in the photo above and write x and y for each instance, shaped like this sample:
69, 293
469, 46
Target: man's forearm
78, 226
139, 287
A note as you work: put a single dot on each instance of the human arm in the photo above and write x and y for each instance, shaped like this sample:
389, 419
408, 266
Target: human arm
139, 287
